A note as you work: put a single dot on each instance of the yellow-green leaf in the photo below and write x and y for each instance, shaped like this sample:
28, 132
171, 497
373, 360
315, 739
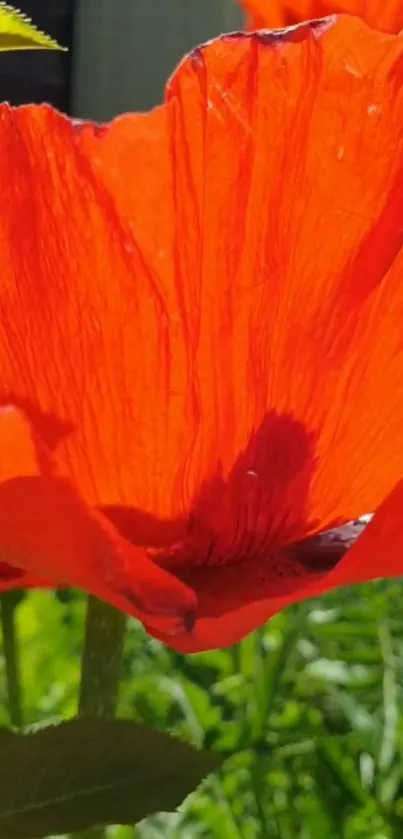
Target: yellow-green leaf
17, 32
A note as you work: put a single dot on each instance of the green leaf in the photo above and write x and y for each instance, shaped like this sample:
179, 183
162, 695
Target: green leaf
83, 772
17, 32
7, 736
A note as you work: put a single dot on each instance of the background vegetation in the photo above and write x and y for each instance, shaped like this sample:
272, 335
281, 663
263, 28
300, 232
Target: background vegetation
312, 704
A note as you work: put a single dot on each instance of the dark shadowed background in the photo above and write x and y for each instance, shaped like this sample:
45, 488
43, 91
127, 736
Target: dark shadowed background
40, 76
120, 51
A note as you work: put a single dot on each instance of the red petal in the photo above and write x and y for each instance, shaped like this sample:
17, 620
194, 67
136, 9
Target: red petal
379, 551
264, 14
340, 368
386, 15
174, 280
46, 529
300, 304
226, 616
15, 578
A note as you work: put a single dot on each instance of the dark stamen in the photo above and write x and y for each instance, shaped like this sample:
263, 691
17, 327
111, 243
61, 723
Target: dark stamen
324, 551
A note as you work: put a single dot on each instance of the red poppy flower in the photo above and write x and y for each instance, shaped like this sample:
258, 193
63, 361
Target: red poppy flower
386, 15
201, 354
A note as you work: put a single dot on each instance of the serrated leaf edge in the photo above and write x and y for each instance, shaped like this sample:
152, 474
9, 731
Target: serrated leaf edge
23, 18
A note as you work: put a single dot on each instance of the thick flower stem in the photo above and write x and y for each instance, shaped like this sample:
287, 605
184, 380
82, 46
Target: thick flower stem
8, 603
101, 669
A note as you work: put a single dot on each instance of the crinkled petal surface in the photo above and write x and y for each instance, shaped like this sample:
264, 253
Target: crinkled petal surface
46, 528
385, 15
201, 344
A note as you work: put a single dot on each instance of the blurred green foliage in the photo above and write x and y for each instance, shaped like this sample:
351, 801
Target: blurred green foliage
308, 710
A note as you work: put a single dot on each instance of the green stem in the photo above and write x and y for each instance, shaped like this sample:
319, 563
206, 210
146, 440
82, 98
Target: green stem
101, 669
8, 603
101, 666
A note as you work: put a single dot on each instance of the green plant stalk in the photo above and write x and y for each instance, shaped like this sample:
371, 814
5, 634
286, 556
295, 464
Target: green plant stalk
101, 666
101, 669
11, 658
